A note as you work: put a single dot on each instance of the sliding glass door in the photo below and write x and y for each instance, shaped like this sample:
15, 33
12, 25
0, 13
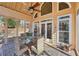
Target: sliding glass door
46, 30
49, 30
43, 30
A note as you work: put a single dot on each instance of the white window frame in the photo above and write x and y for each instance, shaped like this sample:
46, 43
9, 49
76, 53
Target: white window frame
70, 28
77, 31
49, 21
33, 26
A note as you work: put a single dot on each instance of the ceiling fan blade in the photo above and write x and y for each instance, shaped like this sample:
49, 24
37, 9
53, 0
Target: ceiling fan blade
37, 10
36, 4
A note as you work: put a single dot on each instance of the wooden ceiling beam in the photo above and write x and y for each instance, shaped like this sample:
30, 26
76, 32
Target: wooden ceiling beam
11, 13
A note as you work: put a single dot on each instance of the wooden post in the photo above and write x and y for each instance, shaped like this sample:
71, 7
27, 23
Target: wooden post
6, 30
17, 39
25, 27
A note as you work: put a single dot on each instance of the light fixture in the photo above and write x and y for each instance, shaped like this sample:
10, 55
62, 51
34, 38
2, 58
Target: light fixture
31, 11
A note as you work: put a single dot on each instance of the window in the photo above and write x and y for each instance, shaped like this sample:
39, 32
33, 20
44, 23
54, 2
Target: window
63, 5
36, 29
64, 29
22, 22
46, 8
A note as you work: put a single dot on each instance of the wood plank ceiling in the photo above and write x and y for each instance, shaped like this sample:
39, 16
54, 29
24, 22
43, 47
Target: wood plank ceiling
18, 6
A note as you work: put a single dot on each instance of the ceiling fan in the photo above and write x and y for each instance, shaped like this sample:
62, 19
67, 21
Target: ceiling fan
32, 8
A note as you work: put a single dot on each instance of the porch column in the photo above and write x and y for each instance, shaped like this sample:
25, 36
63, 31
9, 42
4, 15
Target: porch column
6, 31
17, 38
73, 34
24, 27
54, 34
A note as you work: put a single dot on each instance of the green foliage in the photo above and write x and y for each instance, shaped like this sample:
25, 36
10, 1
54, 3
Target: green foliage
11, 23
1, 19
